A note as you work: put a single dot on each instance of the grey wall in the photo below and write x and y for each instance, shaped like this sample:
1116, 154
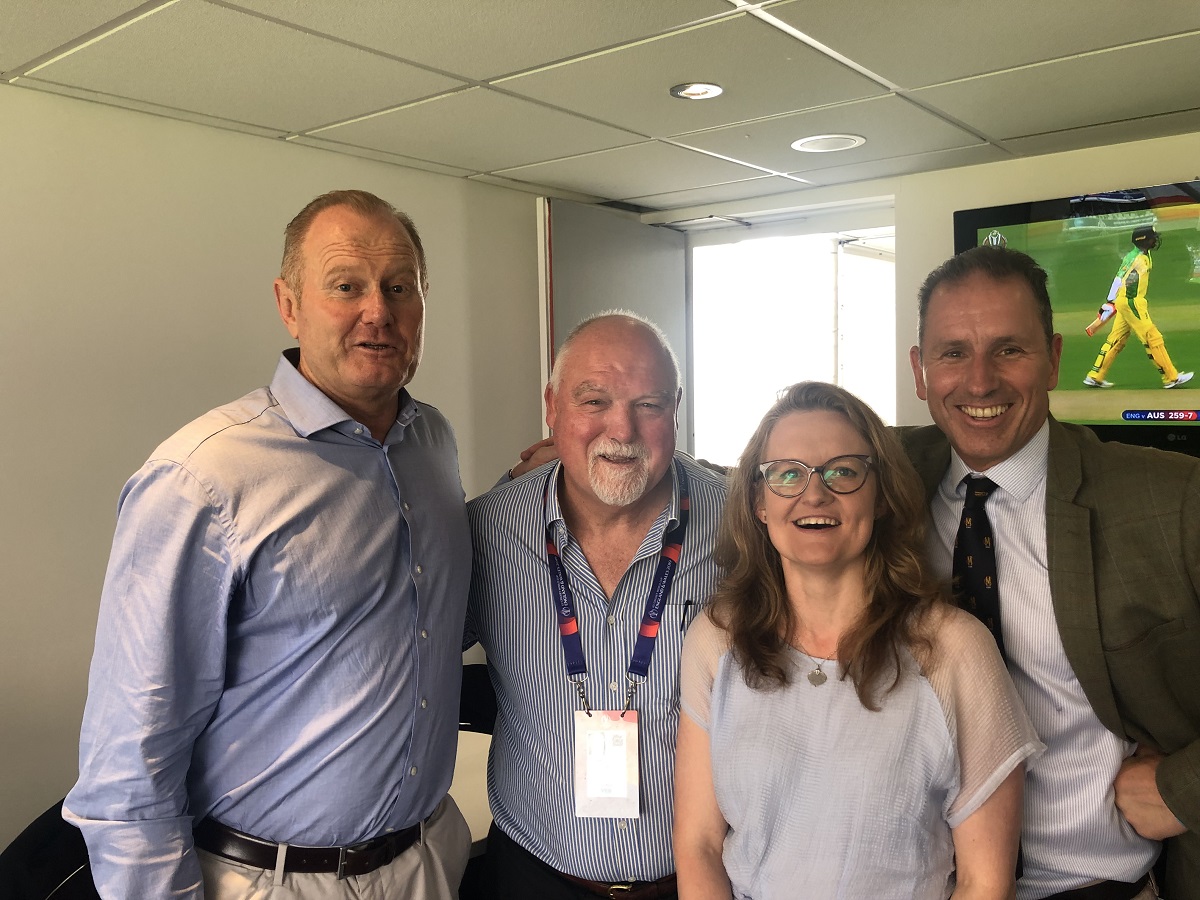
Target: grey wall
137, 256
601, 260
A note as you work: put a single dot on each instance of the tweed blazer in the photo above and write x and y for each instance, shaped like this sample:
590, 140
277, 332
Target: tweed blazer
1123, 550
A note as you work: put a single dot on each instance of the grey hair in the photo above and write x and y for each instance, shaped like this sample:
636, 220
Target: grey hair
565, 350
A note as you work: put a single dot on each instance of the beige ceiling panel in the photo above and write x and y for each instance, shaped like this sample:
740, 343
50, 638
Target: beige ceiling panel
914, 43
364, 153
153, 109
1125, 84
891, 125
32, 28
542, 190
762, 70
719, 193
907, 165
1112, 133
488, 38
210, 60
636, 171
480, 130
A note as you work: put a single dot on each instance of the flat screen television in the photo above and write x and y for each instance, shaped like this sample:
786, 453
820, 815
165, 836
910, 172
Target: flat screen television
1083, 243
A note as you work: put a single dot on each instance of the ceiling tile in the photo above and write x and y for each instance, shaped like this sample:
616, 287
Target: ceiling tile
762, 70
211, 60
488, 38
140, 106
891, 125
33, 28
718, 193
635, 171
1111, 133
542, 190
378, 156
481, 130
914, 43
907, 165
1125, 84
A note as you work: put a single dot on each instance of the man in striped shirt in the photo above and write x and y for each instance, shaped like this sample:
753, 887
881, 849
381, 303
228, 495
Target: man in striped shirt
586, 574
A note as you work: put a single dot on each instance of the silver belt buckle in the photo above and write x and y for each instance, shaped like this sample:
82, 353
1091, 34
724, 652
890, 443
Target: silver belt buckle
341, 869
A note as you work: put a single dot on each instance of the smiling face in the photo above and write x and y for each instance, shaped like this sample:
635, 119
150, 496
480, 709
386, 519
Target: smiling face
613, 413
358, 311
985, 368
819, 529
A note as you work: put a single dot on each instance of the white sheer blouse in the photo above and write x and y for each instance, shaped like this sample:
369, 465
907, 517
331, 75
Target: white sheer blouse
822, 793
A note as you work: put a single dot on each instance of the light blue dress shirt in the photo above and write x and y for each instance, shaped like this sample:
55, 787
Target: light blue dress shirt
279, 644
512, 614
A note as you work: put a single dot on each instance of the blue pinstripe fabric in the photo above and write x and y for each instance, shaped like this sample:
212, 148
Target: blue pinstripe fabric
530, 771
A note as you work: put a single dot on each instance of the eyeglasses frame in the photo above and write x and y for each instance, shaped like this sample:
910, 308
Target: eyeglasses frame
763, 466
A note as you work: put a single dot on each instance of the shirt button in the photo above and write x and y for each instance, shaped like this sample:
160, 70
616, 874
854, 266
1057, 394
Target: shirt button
407, 507
612, 620
613, 686
420, 569
424, 703
412, 771
424, 633
358, 431
622, 825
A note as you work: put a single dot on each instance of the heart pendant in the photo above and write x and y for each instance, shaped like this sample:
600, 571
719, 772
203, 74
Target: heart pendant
817, 678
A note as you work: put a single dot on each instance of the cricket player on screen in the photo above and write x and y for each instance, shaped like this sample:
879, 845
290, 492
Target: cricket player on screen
1127, 307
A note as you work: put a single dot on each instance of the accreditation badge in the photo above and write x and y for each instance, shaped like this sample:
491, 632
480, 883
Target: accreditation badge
606, 764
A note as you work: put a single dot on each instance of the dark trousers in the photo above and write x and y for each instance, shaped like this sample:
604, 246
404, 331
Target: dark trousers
510, 872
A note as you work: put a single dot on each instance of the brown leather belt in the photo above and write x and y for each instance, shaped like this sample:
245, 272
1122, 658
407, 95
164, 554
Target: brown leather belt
627, 890
355, 859
1105, 890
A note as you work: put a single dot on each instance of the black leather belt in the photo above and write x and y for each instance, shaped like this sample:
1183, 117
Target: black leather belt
627, 890
1105, 890
355, 859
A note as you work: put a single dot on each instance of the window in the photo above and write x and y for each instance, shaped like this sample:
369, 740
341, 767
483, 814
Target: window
769, 312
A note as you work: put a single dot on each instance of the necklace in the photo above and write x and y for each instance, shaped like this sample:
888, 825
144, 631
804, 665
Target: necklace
816, 677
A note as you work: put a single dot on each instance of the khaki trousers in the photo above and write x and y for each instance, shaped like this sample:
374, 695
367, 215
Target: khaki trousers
430, 869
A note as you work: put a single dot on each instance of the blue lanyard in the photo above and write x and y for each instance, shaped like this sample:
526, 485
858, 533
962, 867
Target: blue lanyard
660, 590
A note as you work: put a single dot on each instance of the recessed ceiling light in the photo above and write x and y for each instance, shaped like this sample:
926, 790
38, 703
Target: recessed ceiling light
828, 143
696, 90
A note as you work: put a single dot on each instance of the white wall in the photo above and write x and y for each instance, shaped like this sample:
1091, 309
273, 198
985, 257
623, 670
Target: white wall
137, 255
925, 206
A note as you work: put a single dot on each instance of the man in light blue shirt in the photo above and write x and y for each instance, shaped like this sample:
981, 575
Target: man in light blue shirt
272, 702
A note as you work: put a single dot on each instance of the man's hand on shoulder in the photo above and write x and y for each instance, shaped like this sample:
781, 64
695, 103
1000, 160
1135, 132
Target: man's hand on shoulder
1138, 798
540, 453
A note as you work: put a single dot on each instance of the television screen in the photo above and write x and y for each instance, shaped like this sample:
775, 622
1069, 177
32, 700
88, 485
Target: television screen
1124, 271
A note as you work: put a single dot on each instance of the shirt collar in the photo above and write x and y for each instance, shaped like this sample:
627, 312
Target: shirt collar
554, 515
1018, 476
309, 410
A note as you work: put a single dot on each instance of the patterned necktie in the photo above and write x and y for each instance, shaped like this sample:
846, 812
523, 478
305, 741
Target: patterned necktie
974, 577
975, 559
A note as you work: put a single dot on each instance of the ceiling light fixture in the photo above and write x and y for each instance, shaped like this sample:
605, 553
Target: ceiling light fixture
828, 143
697, 90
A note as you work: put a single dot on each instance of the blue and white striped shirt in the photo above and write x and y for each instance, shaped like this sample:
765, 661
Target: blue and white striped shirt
511, 612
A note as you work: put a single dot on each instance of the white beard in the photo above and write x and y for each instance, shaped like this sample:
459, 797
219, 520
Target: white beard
623, 486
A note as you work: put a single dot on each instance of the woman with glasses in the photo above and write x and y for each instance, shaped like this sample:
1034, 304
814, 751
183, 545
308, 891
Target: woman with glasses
845, 732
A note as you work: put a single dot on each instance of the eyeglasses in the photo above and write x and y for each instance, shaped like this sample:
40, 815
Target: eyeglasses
842, 474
